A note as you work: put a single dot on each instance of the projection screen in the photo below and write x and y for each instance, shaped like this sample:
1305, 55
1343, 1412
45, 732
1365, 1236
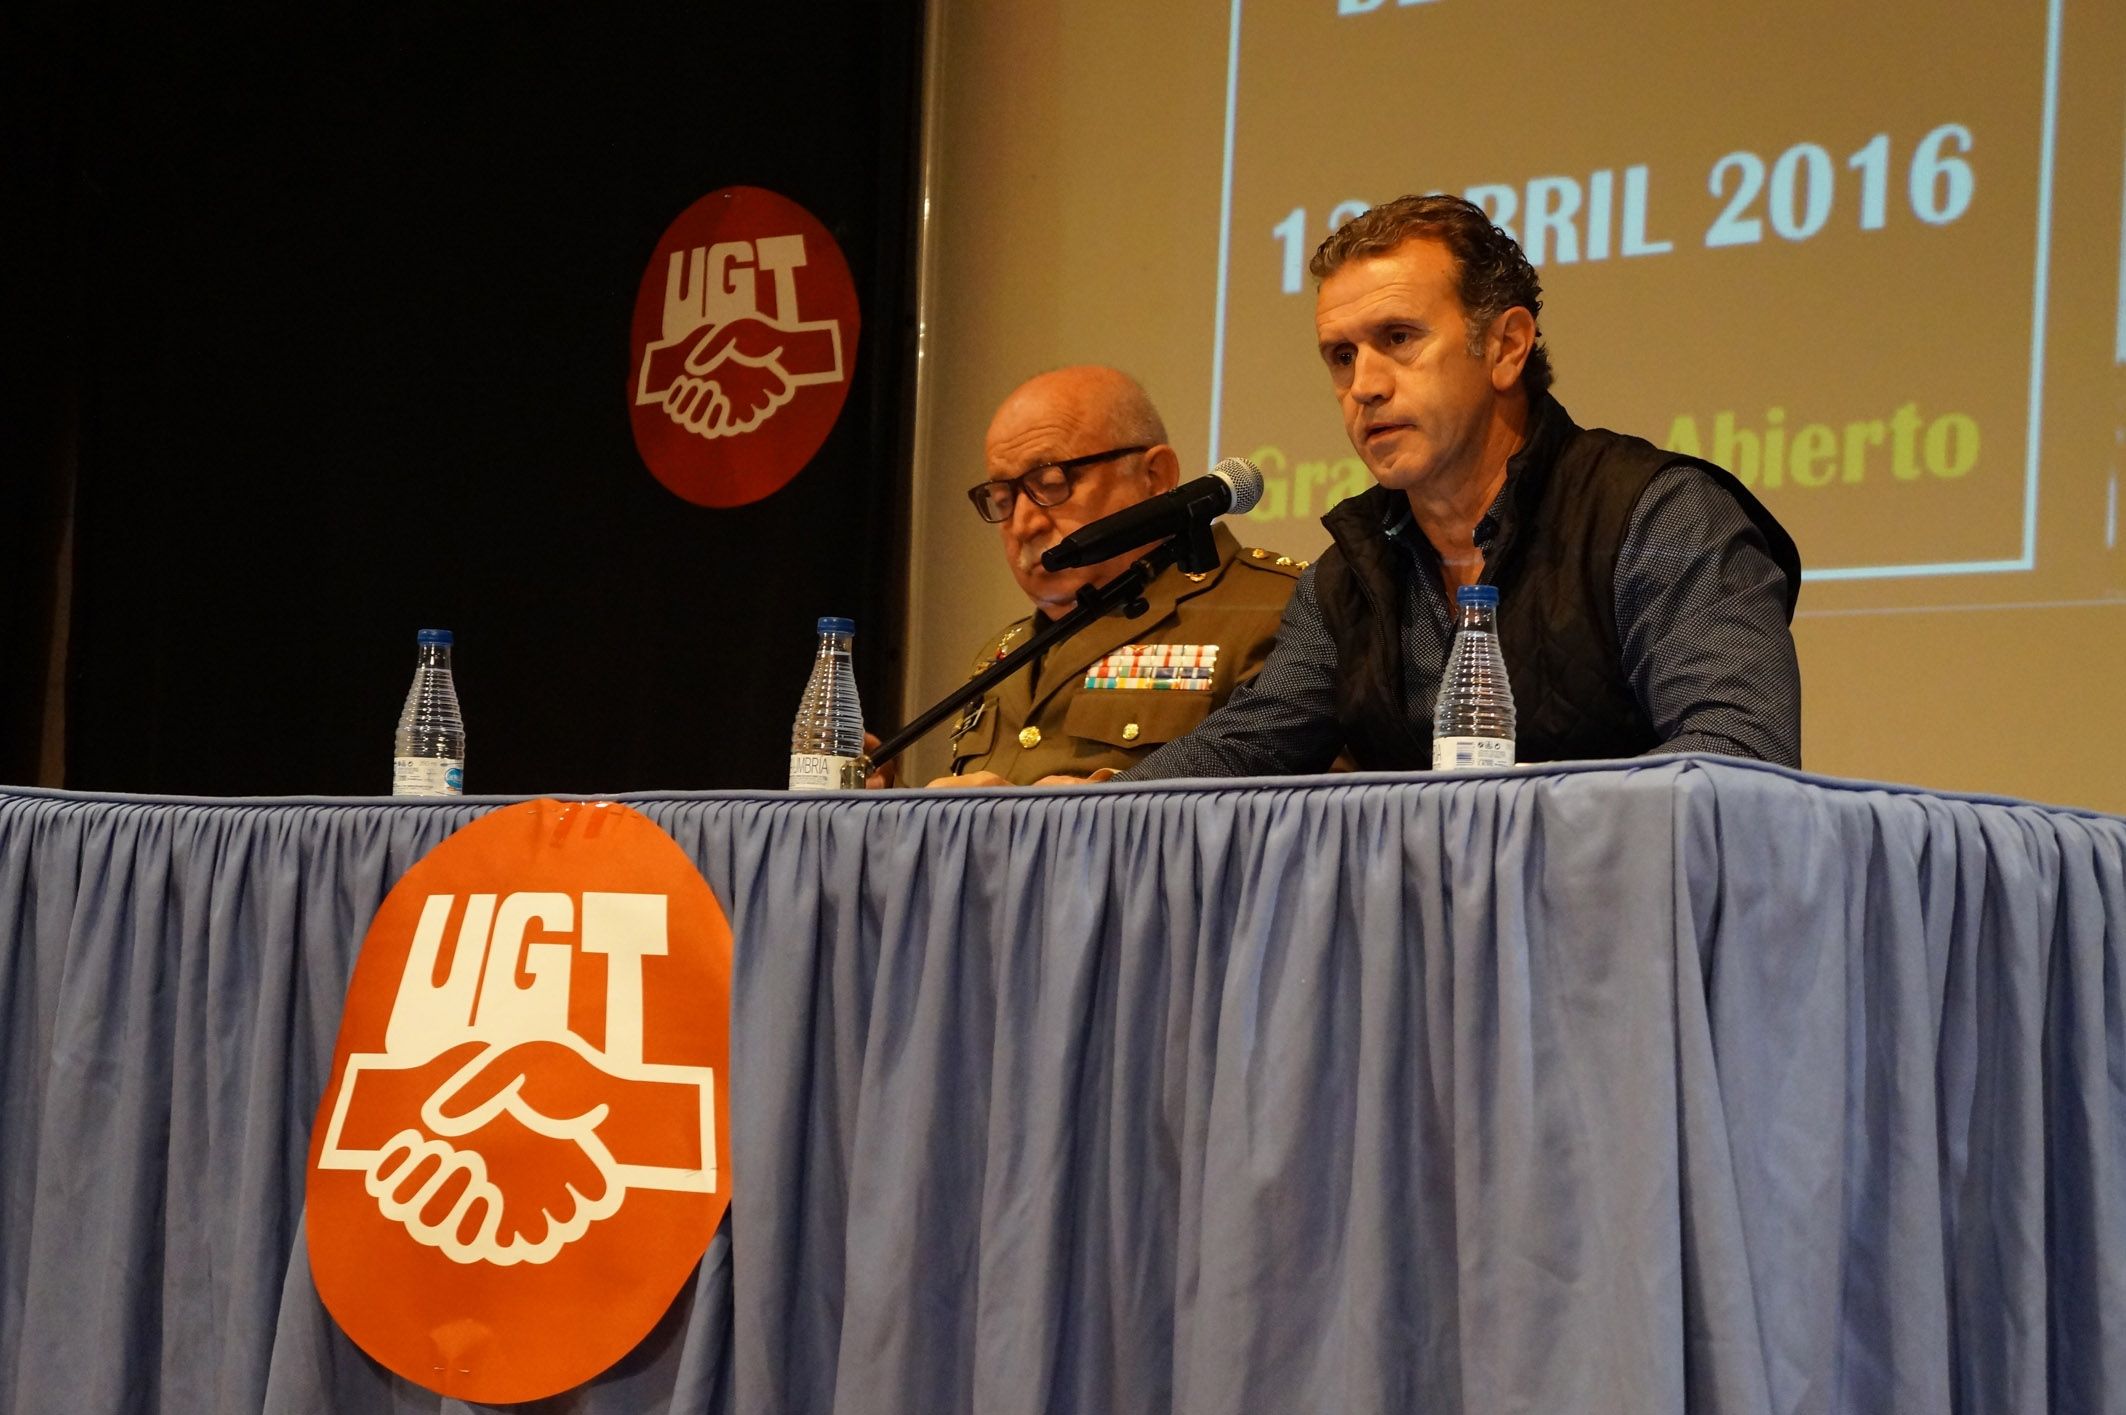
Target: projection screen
1873, 260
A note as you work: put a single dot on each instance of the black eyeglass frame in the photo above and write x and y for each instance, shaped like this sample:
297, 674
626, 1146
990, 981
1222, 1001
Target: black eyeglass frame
984, 498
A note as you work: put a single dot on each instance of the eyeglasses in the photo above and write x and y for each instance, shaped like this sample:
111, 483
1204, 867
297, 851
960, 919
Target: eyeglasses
1049, 484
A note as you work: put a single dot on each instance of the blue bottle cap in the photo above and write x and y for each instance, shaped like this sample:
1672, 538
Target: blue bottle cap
436, 636
1477, 594
832, 625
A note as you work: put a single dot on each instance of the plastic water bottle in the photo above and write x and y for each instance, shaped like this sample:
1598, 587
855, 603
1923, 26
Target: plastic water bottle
429, 750
827, 741
1472, 723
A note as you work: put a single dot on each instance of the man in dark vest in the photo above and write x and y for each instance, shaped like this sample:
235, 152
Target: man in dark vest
1645, 597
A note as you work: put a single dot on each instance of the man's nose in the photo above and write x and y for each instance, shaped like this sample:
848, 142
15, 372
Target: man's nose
1370, 381
1027, 519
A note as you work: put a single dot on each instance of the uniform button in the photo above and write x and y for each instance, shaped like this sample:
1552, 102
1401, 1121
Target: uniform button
1029, 736
1129, 733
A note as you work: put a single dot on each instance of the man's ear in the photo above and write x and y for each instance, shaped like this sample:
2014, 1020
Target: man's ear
1509, 342
1162, 464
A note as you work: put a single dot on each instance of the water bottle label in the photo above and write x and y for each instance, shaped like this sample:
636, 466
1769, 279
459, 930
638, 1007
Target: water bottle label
812, 772
1471, 753
427, 776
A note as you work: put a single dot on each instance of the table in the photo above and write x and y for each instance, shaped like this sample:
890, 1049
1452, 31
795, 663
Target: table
1677, 1084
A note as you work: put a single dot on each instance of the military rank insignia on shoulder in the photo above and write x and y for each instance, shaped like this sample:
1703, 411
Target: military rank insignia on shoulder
1005, 643
1270, 560
1164, 668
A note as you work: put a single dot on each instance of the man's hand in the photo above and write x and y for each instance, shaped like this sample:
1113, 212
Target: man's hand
884, 775
990, 778
971, 779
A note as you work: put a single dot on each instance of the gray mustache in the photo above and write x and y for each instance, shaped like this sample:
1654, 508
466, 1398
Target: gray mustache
1028, 558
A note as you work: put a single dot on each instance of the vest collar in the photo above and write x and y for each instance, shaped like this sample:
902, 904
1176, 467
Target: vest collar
1378, 510
1528, 474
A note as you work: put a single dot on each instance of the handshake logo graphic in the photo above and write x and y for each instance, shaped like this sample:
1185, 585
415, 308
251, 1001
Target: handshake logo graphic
722, 367
488, 1127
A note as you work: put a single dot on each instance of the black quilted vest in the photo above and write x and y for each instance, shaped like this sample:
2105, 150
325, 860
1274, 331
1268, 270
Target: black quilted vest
1569, 497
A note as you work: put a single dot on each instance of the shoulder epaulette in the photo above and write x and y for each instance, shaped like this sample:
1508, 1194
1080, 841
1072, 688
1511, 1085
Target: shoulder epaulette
1256, 558
1004, 643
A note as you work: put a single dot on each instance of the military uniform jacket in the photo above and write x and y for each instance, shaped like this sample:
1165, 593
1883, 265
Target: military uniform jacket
1116, 689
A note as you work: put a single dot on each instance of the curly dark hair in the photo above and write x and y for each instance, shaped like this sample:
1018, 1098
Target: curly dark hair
1494, 275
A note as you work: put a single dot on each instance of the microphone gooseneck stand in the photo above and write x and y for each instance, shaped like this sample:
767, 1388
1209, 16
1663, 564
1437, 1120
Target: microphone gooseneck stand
1193, 550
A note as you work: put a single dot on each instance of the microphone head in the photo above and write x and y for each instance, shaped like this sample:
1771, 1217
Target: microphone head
1245, 479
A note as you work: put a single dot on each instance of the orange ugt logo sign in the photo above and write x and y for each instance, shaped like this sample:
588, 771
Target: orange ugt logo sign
517, 1160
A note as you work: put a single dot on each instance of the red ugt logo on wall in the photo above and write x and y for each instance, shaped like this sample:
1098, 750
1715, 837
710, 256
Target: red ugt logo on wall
524, 1147
743, 345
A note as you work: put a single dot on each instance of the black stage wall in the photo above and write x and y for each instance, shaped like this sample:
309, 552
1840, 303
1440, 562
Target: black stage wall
326, 323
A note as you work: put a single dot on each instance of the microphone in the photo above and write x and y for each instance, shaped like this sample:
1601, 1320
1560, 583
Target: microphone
1232, 487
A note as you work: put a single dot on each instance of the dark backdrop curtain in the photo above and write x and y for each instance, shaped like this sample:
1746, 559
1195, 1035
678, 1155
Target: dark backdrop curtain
37, 397
338, 302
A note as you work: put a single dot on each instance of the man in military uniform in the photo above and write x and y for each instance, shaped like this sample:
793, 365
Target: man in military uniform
1064, 450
